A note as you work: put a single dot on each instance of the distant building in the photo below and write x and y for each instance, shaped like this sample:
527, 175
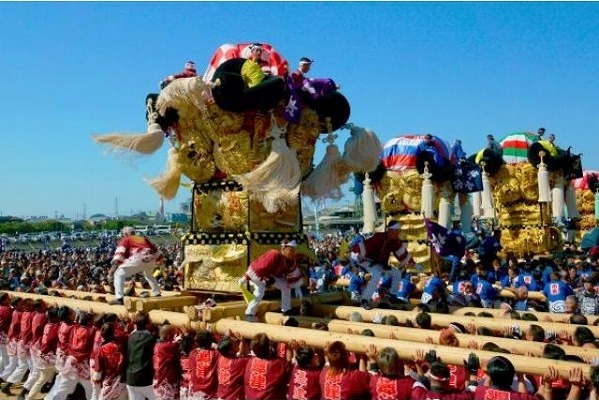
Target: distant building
97, 219
179, 218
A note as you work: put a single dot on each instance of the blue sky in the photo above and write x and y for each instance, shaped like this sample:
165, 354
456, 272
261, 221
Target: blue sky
456, 70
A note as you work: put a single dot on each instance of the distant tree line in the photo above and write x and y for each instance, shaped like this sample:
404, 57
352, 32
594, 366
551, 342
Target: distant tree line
13, 225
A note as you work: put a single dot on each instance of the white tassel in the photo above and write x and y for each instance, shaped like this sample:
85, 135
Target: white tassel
557, 196
444, 209
276, 181
146, 143
168, 183
362, 149
476, 204
427, 191
597, 206
543, 182
325, 181
181, 93
487, 197
368, 207
571, 202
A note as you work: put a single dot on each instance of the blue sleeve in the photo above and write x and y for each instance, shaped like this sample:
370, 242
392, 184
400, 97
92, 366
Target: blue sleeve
494, 291
411, 288
546, 290
568, 289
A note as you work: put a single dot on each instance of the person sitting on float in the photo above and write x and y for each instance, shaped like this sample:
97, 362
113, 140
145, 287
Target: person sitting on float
457, 153
373, 254
494, 145
552, 147
189, 71
303, 89
428, 146
252, 72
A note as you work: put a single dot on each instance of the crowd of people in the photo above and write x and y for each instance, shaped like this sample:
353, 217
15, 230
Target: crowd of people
111, 356
77, 354
88, 269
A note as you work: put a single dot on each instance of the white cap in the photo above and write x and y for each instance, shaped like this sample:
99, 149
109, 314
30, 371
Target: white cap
290, 243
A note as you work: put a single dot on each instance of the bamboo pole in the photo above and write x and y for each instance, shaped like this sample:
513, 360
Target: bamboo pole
419, 335
542, 316
443, 320
405, 349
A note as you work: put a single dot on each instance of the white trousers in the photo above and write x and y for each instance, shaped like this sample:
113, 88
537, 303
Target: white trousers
375, 271
52, 393
23, 364
260, 289
3, 356
67, 385
9, 367
140, 392
96, 388
132, 266
45, 375
34, 375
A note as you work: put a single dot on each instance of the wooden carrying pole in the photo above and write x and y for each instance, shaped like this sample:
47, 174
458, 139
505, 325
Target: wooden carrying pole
156, 316
155, 303
542, 316
80, 295
83, 305
132, 303
273, 318
343, 312
420, 335
538, 296
139, 288
237, 308
406, 350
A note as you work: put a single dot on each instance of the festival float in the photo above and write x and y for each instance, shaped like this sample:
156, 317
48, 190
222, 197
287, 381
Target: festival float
248, 152
587, 188
525, 190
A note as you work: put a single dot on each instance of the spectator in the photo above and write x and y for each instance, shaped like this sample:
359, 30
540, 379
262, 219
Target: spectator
140, 352
588, 299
